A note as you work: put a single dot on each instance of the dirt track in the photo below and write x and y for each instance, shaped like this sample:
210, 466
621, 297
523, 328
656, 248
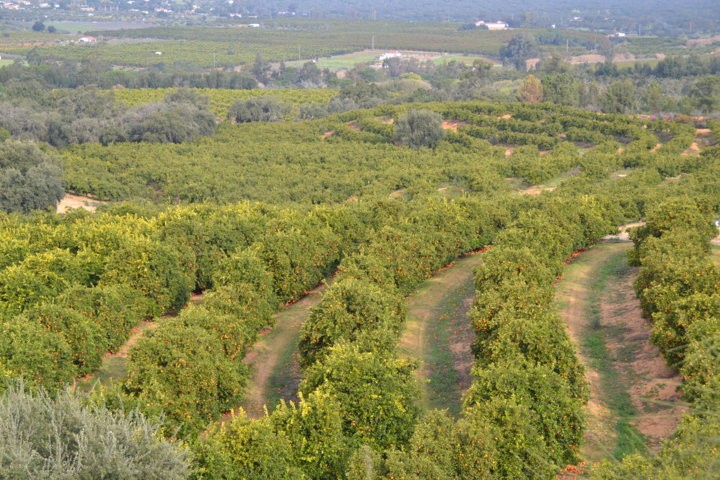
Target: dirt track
275, 372
438, 333
630, 369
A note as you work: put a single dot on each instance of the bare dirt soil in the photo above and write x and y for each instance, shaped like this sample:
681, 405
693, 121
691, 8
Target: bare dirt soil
702, 42
588, 58
623, 232
70, 202
452, 125
535, 190
275, 370
438, 333
652, 387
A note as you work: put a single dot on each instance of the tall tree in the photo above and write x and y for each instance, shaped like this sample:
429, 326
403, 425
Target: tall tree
531, 90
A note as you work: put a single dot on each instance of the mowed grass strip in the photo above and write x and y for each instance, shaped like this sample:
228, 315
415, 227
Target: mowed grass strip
438, 334
610, 433
275, 373
628, 438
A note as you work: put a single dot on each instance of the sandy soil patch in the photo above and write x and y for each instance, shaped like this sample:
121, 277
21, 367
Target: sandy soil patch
702, 42
653, 386
693, 149
537, 190
588, 58
70, 202
623, 232
452, 125
265, 356
397, 194
531, 63
624, 57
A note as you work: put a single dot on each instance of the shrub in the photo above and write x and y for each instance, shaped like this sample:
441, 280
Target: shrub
181, 371
349, 309
419, 128
62, 439
375, 392
30, 179
260, 109
245, 448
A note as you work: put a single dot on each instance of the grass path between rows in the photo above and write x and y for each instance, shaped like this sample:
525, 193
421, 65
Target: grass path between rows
114, 364
716, 254
438, 334
634, 398
274, 370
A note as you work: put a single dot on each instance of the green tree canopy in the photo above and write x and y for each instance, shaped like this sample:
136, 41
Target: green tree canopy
419, 128
30, 179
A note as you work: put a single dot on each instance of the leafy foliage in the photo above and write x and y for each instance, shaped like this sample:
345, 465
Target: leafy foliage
262, 109
62, 438
419, 128
30, 179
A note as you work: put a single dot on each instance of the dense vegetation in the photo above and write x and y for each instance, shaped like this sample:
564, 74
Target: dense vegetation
678, 286
105, 444
30, 179
87, 115
250, 198
346, 155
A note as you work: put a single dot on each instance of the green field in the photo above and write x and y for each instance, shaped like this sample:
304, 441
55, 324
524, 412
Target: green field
218, 46
349, 60
76, 27
222, 99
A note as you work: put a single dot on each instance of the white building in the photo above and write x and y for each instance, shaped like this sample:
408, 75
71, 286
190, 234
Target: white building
492, 25
388, 55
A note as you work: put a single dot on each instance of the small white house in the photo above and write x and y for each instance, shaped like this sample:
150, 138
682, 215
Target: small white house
388, 55
87, 40
492, 25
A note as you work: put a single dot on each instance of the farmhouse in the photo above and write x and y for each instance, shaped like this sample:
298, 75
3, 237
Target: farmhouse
388, 55
87, 40
492, 25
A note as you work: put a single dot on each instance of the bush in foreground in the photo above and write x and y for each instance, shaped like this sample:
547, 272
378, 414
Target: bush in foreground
60, 438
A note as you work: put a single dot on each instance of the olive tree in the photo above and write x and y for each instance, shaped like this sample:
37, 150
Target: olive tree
30, 179
419, 128
44, 437
264, 109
